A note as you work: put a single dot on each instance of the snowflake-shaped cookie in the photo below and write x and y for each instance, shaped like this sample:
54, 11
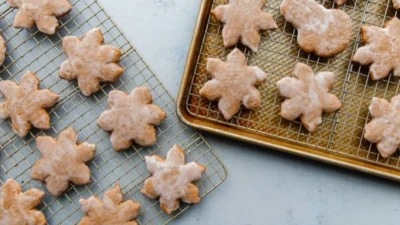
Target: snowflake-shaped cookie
233, 84
382, 49
172, 179
384, 128
63, 161
17, 207
112, 210
307, 96
25, 104
43, 13
90, 61
131, 118
243, 19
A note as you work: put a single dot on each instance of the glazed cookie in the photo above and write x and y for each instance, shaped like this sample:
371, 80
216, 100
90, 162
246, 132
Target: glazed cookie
307, 96
17, 207
384, 126
131, 118
112, 210
63, 161
243, 20
172, 179
382, 49
25, 104
43, 13
325, 32
90, 61
2, 50
233, 84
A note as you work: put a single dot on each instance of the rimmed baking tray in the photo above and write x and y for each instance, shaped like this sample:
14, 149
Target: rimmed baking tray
339, 139
42, 54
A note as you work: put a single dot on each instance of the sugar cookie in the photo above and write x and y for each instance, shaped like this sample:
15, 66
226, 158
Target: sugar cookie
172, 179
25, 104
307, 96
325, 32
131, 118
111, 210
243, 20
90, 62
233, 84
17, 207
382, 49
63, 161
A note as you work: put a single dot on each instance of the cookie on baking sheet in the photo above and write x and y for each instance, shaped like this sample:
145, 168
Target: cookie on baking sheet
43, 13
172, 179
384, 128
90, 61
243, 20
2, 50
17, 207
233, 84
325, 32
307, 96
131, 118
25, 104
111, 210
382, 49
63, 161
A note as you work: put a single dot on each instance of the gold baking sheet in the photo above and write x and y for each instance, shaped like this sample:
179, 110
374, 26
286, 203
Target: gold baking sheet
339, 139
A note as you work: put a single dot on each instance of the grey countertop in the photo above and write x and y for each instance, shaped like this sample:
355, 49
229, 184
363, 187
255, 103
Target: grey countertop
263, 186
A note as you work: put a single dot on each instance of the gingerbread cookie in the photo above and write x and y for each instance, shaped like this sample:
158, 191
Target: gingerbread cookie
43, 13
325, 32
307, 96
112, 210
233, 84
384, 126
131, 118
63, 161
172, 179
2, 50
25, 104
17, 207
90, 61
243, 20
382, 49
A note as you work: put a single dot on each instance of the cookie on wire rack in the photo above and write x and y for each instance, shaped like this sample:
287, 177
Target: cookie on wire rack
171, 179
243, 19
3, 48
307, 96
382, 49
41, 13
63, 161
111, 210
324, 32
90, 61
17, 207
25, 104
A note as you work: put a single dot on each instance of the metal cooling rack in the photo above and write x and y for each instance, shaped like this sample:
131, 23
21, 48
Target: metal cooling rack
42, 54
341, 132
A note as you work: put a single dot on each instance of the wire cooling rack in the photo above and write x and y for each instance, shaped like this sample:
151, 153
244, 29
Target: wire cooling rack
341, 132
42, 54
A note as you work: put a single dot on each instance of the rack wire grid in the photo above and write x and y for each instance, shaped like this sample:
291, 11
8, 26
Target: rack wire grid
42, 54
340, 132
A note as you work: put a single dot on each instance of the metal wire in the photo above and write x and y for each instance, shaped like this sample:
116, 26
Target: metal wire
30, 50
340, 132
